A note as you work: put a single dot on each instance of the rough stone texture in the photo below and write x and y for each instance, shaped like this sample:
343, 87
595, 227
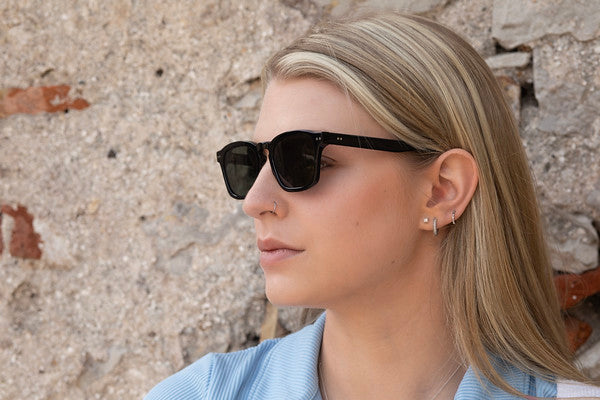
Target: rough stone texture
562, 134
472, 20
410, 6
573, 241
145, 262
338, 8
518, 59
512, 91
521, 21
589, 353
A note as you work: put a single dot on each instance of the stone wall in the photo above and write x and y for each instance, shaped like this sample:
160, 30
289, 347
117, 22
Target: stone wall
121, 257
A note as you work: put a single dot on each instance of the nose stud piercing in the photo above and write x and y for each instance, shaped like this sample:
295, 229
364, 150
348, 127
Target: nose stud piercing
274, 207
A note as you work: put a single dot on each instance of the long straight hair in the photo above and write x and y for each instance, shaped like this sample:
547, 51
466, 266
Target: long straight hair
427, 86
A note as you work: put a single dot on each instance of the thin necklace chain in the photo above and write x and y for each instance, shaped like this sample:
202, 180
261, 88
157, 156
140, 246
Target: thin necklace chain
324, 389
445, 383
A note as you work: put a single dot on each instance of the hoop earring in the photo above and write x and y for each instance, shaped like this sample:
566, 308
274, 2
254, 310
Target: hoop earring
453, 215
435, 229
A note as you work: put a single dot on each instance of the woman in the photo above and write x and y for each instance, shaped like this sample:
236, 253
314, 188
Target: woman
389, 187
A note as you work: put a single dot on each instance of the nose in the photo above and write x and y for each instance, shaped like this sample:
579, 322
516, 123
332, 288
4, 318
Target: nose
262, 194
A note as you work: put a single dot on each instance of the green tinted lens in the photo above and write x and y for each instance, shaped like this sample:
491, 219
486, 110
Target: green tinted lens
294, 158
241, 167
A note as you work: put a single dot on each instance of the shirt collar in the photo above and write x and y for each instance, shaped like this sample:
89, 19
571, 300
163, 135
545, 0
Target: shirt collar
474, 387
295, 358
293, 362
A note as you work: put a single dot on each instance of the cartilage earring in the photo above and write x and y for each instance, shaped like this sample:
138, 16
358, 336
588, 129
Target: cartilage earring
435, 229
453, 215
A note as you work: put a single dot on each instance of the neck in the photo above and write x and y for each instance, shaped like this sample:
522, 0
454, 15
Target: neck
393, 343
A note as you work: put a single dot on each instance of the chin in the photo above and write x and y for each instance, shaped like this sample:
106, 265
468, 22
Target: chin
289, 296
283, 298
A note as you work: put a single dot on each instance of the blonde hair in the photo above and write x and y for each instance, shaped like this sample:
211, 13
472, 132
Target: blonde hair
427, 86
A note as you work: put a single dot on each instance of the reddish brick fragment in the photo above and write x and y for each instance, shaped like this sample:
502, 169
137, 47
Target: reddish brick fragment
577, 332
573, 288
37, 99
25, 241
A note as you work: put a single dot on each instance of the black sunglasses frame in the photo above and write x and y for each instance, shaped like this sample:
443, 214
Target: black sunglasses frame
320, 141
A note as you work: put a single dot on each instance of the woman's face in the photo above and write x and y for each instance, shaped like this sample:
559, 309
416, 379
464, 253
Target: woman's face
353, 235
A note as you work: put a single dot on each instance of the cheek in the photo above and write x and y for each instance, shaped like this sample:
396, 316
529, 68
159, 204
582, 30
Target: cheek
365, 223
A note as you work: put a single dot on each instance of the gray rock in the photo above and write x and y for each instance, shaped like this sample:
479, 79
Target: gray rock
567, 86
573, 241
588, 355
337, 8
593, 199
562, 135
472, 19
517, 59
409, 6
517, 22
344, 7
590, 360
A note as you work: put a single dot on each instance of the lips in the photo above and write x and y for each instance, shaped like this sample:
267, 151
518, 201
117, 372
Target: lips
273, 251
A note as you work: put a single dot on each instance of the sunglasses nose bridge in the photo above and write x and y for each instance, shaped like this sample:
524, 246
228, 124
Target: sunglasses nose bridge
262, 149
266, 183
266, 152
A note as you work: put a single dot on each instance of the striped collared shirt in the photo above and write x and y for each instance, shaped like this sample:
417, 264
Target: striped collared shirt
286, 369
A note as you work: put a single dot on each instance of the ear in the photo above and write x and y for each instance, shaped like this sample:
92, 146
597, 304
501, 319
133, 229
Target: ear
452, 180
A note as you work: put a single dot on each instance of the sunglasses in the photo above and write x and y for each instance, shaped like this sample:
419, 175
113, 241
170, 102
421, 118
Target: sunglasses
295, 158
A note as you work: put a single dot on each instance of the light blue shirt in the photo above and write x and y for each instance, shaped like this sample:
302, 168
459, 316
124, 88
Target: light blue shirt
286, 369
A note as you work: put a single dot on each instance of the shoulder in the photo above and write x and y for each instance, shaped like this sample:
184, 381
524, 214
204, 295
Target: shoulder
476, 386
275, 369
213, 373
189, 383
572, 389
